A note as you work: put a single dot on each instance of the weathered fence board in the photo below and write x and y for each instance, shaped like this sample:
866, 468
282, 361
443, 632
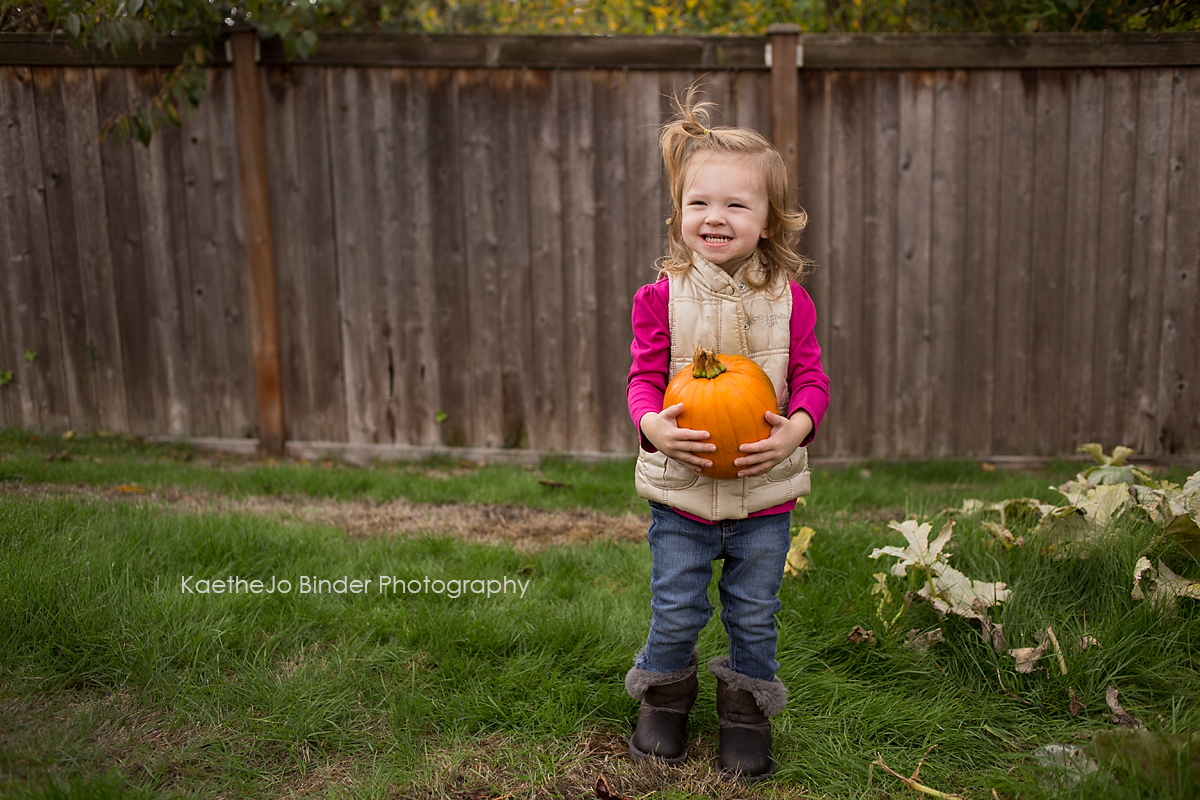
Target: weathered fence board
879, 231
974, 377
33, 298
550, 424
1179, 386
1082, 236
129, 268
64, 243
947, 259
1014, 280
914, 203
1006, 259
1051, 151
816, 108
842, 349
1147, 256
1109, 347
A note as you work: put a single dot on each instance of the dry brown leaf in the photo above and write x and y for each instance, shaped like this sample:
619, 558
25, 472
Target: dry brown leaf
605, 790
859, 635
993, 634
1120, 716
921, 642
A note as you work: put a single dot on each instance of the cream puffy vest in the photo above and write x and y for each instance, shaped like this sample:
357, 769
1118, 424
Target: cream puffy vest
710, 308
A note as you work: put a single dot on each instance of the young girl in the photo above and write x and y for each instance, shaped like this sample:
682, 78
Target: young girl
729, 283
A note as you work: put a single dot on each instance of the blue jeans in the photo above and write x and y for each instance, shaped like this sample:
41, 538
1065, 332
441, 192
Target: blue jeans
754, 552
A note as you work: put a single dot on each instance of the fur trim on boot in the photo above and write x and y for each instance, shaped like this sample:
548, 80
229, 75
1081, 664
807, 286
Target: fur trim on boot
666, 698
771, 696
637, 681
743, 706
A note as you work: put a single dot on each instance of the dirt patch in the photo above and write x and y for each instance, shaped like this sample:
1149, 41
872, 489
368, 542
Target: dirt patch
525, 529
490, 769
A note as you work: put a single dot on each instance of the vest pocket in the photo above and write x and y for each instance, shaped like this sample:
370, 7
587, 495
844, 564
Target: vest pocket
791, 466
665, 473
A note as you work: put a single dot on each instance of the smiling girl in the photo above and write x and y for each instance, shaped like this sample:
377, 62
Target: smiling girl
729, 283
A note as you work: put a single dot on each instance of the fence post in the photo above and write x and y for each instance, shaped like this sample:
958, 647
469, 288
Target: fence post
260, 253
785, 93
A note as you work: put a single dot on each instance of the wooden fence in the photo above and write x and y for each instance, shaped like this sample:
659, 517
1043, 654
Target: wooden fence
1007, 243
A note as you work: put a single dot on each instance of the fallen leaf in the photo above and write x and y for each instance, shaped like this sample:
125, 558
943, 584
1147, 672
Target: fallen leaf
859, 635
1027, 657
993, 634
920, 551
1089, 641
797, 558
962, 595
605, 791
1003, 534
1161, 587
1120, 716
130, 488
920, 642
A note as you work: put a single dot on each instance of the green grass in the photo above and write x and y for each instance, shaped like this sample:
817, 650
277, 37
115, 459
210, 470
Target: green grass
116, 683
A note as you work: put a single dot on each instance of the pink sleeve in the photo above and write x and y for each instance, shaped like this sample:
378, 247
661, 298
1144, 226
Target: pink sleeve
807, 382
651, 352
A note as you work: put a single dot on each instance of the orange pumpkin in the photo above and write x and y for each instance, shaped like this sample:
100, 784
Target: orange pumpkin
728, 396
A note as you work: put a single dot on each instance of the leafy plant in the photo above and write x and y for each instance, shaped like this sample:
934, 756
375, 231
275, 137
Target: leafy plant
6, 377
948, 589
127, 25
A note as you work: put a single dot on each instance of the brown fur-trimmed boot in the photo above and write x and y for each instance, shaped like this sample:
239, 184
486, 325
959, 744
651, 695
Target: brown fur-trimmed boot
744, 706
666, 699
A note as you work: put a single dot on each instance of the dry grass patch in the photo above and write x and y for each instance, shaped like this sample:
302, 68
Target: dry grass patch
525, 529
502, 767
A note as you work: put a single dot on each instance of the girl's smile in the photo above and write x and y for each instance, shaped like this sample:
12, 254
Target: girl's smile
724, 208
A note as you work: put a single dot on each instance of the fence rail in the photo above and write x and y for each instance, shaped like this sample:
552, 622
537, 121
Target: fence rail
1007, 255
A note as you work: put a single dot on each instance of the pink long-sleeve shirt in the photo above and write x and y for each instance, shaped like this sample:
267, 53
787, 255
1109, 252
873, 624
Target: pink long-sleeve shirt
651, 351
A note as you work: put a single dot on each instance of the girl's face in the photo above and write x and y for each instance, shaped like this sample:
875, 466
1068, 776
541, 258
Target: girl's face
724, 208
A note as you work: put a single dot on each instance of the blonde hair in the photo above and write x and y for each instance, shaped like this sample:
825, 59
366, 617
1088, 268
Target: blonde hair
687, 135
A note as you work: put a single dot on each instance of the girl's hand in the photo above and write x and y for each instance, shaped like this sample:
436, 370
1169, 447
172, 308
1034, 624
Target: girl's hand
786, 436
681, 444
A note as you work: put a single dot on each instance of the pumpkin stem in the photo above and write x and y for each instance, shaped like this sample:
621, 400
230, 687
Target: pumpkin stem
705, 364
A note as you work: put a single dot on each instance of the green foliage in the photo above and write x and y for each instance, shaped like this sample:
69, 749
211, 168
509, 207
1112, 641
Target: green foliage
125, 26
